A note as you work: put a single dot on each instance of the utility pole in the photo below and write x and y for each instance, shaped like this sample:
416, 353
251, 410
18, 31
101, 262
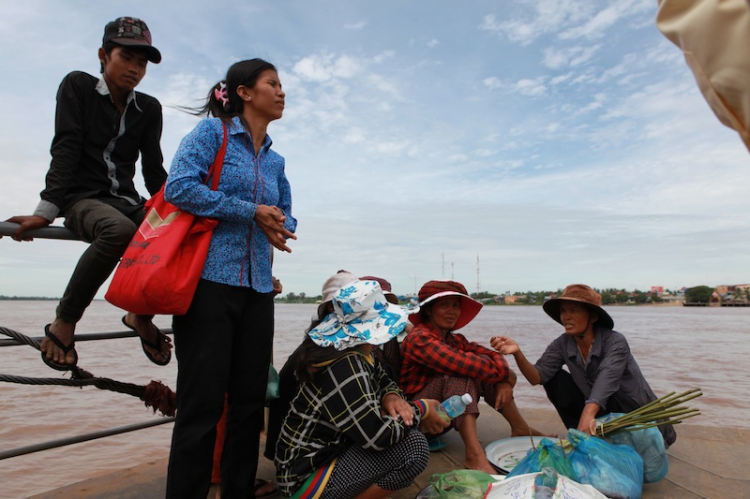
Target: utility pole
442, 271
452, 272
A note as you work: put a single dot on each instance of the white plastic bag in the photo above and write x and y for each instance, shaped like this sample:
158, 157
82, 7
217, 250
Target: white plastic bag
524, 486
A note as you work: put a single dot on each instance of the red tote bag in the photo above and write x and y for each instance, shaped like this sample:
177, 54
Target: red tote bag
160, 269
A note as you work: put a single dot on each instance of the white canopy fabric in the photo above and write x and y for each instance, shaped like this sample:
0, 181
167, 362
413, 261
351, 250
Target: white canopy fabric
715, 38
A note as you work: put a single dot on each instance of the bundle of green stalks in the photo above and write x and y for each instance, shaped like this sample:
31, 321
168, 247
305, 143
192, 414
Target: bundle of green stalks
665, 410
668, 409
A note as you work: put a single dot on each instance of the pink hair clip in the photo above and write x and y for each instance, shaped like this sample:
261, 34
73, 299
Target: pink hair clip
221, 93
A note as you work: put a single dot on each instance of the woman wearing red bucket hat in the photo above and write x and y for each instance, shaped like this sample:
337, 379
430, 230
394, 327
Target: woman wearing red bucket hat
603, 376
439, 362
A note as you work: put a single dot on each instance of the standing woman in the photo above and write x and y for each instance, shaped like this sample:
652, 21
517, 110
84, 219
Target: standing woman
223, 343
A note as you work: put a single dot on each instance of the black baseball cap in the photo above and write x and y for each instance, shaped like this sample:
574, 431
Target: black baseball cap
131, 32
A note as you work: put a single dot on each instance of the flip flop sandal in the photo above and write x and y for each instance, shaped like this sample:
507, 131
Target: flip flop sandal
66, 349
435, 444
161, 338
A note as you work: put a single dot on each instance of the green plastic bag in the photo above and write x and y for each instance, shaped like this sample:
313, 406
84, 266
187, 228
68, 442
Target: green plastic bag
460, 484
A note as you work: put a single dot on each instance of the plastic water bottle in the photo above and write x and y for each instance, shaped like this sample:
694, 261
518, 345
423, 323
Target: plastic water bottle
454, 406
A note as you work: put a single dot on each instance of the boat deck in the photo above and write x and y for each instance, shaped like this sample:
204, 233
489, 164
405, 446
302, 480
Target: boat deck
705, 462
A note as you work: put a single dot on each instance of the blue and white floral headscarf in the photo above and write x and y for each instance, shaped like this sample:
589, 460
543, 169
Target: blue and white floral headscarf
361, 314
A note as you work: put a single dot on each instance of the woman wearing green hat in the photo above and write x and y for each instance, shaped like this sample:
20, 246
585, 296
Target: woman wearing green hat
603, 376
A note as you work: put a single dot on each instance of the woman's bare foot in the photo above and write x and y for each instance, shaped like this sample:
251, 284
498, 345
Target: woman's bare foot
518, 425
479, 462
264, 488
150, 336
64, 331
475, 458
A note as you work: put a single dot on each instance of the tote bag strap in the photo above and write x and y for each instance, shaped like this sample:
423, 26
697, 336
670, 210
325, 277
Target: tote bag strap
214, 173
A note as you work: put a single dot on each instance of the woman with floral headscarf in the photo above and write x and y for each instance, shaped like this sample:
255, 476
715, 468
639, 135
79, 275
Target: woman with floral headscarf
350, 431
439, 363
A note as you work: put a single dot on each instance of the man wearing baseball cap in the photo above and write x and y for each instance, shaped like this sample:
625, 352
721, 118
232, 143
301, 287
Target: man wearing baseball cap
131, 32
102, 126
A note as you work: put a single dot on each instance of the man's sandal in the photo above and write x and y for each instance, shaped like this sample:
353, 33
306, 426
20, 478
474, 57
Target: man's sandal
66, 349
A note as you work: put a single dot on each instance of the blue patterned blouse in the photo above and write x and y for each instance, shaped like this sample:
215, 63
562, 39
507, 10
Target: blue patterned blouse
240, 254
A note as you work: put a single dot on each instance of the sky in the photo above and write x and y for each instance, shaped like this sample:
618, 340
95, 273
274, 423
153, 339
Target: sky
511, 146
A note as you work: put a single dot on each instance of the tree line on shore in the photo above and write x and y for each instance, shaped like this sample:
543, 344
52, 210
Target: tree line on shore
610, 296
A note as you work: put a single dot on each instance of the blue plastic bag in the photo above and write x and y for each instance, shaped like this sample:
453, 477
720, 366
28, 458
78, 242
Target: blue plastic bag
548, 454
614, 470
648, 443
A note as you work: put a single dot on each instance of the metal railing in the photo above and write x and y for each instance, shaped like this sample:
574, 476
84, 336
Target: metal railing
20, 451
24, 340
61, 233
9, 342
62, 442
51, 232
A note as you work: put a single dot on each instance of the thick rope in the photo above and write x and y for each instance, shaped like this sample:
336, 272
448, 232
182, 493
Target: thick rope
20, 338
155, 395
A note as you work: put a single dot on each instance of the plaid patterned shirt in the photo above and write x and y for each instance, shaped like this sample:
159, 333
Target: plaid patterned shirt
341, 407
425, 355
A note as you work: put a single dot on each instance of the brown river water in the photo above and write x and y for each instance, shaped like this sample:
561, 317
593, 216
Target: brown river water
677, 349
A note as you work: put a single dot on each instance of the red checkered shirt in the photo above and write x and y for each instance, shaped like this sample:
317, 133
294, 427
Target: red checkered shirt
425, 355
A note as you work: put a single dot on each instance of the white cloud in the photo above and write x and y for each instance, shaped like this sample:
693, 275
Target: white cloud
557, 58
530, 87
526, 86
355, 136
384, 56
557, 80
384, 85
485, 153
541, 17
355, 26
492, 82
325, 67
567, 20
595, 26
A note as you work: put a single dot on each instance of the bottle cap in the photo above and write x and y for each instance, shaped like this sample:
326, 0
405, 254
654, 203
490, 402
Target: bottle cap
467, 398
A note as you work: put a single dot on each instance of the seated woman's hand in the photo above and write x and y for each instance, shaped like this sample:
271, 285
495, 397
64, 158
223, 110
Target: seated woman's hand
587, 425
587, 421
504, 345
396, 407
433, 424
503, 394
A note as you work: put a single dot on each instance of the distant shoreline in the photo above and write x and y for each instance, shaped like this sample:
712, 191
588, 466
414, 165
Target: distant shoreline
28, 298
661, 304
